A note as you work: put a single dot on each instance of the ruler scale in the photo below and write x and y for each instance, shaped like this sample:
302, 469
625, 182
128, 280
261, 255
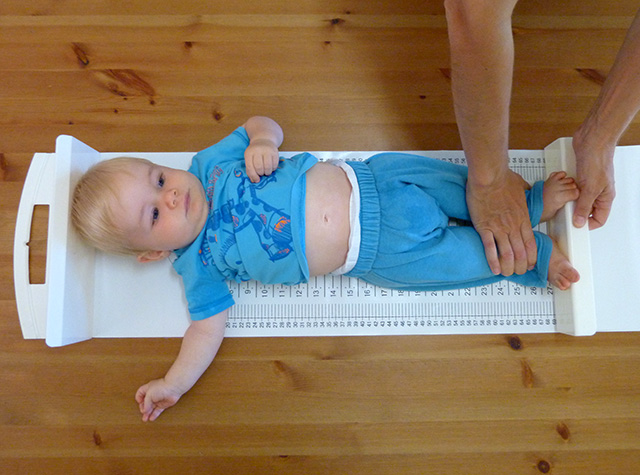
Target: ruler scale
339, 305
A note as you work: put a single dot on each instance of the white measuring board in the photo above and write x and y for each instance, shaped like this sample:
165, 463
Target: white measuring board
339, 305
109, 296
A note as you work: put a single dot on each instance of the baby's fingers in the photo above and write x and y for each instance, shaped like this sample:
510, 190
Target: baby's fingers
146, 407
140, 395
259, 165
154, 414
252, 169
271, 163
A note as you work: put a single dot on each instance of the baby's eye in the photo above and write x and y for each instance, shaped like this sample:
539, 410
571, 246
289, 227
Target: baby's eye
161, 181
155, 215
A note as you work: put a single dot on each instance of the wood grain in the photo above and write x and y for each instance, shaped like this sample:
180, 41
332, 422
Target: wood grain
338, 75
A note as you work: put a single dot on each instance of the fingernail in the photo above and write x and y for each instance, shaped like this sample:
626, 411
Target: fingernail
579, 221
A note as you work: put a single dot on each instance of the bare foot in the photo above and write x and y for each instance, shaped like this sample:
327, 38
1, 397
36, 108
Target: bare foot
561, 273
558, 190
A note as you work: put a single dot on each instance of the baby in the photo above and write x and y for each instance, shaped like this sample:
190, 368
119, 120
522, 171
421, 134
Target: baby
241, 213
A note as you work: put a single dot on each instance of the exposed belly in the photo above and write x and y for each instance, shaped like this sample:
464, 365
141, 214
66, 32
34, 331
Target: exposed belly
327, 218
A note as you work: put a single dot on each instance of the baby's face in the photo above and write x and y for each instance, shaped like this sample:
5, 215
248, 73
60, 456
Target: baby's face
160, 209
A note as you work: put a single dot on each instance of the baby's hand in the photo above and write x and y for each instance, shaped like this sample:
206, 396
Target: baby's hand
154, 397
261, 158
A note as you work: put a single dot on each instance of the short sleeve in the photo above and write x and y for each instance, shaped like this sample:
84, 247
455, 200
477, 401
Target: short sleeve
205, 288
229, 150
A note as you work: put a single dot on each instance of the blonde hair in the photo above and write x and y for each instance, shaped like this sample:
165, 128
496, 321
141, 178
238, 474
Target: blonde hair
91, 208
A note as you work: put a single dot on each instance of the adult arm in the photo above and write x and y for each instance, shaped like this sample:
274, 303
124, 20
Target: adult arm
262, 156
199, 347
595, 140
481, 43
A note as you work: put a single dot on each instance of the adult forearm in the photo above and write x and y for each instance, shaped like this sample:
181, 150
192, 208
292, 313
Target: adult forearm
595, 140
619, 98
481, 45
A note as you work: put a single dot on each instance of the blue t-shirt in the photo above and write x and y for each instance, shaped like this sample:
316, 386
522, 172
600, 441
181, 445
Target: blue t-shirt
254, 230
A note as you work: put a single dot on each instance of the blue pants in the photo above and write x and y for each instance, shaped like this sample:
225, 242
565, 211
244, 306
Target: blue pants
405, 205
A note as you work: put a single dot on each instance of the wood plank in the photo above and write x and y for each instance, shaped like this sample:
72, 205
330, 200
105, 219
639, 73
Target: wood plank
417, 377
214, 28
319, 439
21, 89
124, 8
376, 109
526, 462
587, 48
265, 409
413, 7
309, 136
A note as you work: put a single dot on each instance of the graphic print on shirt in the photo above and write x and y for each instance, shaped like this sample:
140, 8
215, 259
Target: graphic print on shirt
243, 213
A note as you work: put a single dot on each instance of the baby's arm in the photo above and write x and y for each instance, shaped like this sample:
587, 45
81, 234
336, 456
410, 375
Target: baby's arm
261, 156
199, 346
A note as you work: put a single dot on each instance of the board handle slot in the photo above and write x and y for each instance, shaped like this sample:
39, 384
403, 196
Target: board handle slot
37, 244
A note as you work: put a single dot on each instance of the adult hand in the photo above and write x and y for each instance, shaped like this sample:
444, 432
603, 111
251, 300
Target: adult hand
594, 166
500, 215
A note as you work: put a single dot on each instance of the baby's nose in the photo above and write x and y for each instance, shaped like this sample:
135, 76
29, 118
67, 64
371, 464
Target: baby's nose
171, 198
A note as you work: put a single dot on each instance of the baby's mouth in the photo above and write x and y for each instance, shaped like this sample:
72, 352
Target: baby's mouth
187, 202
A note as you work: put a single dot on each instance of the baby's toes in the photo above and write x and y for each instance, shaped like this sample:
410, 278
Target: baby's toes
572, 193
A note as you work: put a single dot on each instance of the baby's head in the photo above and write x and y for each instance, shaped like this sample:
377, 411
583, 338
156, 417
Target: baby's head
94, 199
134, 207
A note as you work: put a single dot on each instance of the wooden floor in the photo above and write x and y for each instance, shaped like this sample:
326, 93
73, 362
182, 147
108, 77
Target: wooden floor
338, 75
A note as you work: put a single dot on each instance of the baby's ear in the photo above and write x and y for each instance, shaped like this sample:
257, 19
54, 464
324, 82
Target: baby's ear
151, 256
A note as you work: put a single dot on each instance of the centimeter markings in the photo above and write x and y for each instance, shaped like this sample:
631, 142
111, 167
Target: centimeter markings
424, 317
343, 303
327, 289
515, 311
